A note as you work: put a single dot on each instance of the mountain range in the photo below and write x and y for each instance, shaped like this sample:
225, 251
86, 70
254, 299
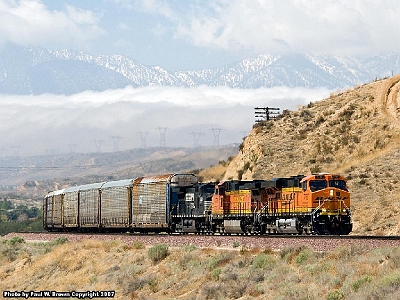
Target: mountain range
34, 70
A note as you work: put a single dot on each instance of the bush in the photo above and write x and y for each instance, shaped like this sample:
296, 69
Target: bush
263, 260
158, 252
16, 240
138, 245
235, 244
11, 248
360, 282
302, 257
59, 241
335, 295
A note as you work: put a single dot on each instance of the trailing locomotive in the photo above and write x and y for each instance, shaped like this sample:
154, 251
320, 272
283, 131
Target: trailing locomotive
315, 204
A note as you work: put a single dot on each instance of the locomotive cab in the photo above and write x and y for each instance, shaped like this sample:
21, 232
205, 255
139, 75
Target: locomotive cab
329, 199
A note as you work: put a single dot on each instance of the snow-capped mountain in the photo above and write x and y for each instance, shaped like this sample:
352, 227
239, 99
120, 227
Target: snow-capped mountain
32, 70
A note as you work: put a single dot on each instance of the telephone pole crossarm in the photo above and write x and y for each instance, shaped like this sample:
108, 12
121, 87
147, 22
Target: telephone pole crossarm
265, 113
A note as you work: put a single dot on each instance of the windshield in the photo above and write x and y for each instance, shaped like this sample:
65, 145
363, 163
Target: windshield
340, 184
316, 185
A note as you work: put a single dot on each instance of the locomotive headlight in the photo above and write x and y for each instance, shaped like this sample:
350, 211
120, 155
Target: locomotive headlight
331, 193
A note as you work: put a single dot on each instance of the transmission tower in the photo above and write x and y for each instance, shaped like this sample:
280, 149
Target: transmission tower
116, 141
196, 138
162, 131
49, 151
16, 150
216, 132
97, 144
72, 148
143, 136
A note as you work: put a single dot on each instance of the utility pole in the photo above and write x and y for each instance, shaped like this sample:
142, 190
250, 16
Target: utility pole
265, 113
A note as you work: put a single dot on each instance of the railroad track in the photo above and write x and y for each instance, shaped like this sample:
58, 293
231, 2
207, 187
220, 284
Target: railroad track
232, 242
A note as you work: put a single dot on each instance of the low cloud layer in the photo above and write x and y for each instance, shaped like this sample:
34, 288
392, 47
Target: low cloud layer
133, 118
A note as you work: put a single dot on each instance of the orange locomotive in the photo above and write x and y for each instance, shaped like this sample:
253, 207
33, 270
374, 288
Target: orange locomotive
315, 204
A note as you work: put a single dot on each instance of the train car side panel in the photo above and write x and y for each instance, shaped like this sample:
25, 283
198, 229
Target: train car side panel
149, 204
116, 204
89, 207
71, 207
57, 200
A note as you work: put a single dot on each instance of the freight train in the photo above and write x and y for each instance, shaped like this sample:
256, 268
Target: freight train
178, 203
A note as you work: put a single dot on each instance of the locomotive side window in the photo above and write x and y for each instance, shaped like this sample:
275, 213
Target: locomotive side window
316, 185
340, 184
304, 185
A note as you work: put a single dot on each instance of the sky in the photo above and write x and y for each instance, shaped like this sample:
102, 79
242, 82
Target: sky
195, 34
176, 35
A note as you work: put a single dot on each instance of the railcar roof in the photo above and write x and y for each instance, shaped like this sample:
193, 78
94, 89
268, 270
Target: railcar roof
84, 187
118, 183
173, 178
156, 178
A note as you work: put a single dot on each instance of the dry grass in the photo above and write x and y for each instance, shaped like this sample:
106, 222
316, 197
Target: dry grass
188, 272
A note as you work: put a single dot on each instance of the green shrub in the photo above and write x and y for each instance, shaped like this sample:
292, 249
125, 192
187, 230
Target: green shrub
302, 257
158, 252
360, 282
15, 240
59, 241
263, 261
190, 248
11, 248
138, 245
335, 295
215, 273
392, 280
235, 244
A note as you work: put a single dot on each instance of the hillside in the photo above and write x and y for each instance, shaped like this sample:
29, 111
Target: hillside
354, 132
138, 271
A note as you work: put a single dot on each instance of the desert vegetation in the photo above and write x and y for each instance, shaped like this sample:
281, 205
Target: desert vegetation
17, 218
137, 271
